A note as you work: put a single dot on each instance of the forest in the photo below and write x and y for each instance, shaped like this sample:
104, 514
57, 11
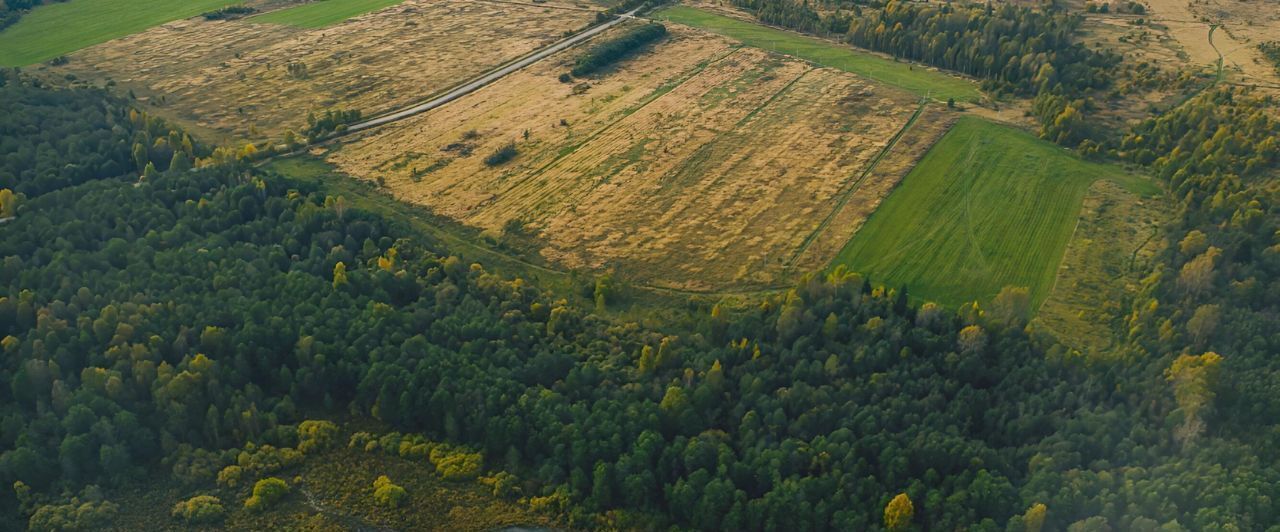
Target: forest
1015, 49
163, 303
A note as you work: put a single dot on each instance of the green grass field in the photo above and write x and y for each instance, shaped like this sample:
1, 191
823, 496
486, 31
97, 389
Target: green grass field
324, 13
988, 206
915, 79
60, 28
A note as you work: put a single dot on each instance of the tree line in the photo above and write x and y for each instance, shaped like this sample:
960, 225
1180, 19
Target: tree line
617, 48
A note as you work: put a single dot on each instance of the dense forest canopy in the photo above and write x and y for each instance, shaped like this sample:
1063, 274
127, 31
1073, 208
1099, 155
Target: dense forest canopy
152, 310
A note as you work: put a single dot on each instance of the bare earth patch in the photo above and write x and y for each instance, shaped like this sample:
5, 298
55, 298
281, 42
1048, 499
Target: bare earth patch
234, 79
698, 166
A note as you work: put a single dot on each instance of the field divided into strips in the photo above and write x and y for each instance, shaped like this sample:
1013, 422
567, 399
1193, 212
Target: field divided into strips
242, 80
988, 206
697, 166
59, 28
916, 79
323, 13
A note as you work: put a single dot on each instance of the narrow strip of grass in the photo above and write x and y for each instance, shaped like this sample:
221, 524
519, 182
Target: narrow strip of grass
988, 206
59, 28
918, 80
323, 13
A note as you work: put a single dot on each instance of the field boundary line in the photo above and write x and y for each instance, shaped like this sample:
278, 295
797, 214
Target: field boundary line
657, 94
737, 126
844, 197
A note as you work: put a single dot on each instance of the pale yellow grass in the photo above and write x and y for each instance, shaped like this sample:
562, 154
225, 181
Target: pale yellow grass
232, 78
697, 166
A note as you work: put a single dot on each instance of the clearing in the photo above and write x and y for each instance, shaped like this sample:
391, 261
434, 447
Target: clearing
988, 206
238, 80
698, 166
333, 490
321, 14
921, 80
1113, 243
59, 28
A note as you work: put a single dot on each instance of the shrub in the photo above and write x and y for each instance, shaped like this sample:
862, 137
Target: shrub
316, 435
199, 509
454, 464
267, 458
229, 12
388, 494
230, 476
506, 153
266, 493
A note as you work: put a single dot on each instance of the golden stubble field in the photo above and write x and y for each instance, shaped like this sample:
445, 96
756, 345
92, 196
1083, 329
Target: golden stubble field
232, 80
1242, 25
697, 166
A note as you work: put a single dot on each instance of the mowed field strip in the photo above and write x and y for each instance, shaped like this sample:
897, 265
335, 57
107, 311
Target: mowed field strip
58, 28
321, 14
988, 206
699, 165
920, 80
233, 80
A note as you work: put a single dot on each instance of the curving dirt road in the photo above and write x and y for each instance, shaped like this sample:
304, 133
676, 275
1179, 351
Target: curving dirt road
492, 76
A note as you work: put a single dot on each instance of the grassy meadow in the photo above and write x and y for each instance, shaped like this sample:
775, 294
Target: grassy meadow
918, 80
988, 206
321, 14
60, 28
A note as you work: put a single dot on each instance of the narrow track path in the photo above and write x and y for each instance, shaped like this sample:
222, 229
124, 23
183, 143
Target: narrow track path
493, 75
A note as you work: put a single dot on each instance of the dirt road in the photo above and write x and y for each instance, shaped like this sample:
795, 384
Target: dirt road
493, 75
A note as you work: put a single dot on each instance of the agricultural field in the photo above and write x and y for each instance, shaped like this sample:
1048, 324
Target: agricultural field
321, 14
914, 78
989, 206
243, 80
60, 28
701, 165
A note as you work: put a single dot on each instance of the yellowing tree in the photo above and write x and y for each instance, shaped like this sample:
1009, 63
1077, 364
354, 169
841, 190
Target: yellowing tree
1193, 378
972, 339
1196, 276
8, 203
898, 513
1033, 520
248, 152
339, 274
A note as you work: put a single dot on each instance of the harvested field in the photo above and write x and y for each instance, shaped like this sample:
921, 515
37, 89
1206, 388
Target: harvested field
233, 79
321, 14
697, 166
1241, 26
